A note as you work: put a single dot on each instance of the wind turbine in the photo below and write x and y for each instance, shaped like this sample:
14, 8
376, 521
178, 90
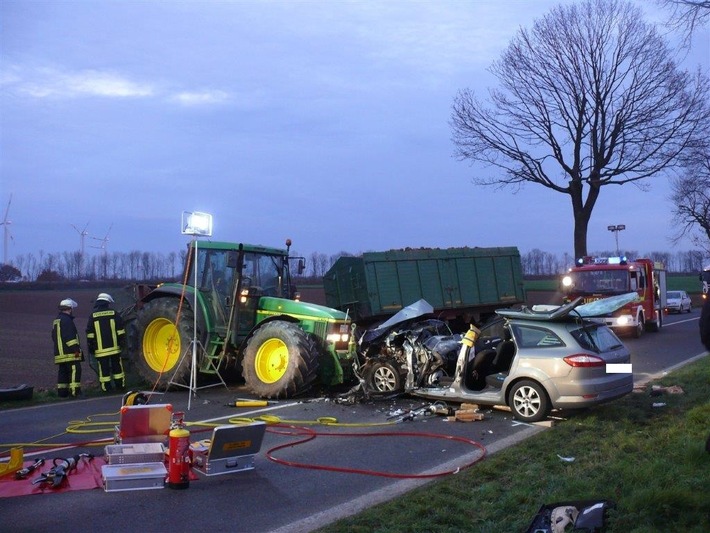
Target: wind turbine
104, 240
6, 227
102, 246
83, 233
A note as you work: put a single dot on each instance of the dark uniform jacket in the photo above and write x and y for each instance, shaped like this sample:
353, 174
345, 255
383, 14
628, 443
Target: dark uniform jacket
65, 338
105, 331
705, 324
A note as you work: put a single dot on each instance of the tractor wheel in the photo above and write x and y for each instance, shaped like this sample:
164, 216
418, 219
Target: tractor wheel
280, 361
157, 346
383, 377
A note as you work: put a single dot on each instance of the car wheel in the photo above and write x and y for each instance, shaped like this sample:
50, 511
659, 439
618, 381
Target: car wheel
383, 377
690, 307
528, 401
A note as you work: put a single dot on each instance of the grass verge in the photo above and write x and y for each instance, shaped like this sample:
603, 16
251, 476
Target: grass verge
651, 461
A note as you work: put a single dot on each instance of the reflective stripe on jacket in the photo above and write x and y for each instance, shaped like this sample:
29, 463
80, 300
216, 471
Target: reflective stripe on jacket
105, 332
65, 338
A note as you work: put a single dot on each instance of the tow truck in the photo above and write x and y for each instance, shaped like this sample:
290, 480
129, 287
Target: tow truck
594, 278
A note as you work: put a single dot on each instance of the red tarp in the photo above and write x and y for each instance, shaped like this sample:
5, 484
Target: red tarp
87, 475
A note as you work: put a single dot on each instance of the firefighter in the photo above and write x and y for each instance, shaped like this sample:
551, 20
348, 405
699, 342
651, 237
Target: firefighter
705, 324
67, 350
105, 337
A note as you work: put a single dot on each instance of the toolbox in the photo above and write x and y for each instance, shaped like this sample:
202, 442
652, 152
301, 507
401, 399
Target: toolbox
146, 452
144, 423
231, 449
136, 476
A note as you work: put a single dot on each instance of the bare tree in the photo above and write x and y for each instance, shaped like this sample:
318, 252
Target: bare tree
691, 198
590, 97
687, 15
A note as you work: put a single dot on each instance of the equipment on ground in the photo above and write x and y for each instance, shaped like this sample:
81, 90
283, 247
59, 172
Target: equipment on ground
179, 452
594, 278
248, 319
463, 285
61, 469
230, 450
14, 464
24, 472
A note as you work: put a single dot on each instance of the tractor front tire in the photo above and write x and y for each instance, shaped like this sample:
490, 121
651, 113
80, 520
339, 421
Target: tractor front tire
156, 346
280, 361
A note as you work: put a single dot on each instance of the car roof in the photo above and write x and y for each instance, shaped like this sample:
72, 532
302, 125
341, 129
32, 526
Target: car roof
600, 307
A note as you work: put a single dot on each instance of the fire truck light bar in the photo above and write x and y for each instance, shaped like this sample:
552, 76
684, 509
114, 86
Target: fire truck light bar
589, 260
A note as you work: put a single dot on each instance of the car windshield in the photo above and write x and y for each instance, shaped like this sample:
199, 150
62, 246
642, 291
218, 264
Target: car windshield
673, 294
596, 337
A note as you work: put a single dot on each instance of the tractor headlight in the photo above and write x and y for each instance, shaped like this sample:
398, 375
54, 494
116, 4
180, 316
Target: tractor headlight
339, 336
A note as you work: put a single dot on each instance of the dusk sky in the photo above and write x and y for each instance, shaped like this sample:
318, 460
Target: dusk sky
326, 122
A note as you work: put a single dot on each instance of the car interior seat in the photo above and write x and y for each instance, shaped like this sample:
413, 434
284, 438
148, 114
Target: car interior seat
505, 352
479, 368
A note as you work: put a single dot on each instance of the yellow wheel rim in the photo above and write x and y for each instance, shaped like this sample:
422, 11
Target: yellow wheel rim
161, 345
271, 361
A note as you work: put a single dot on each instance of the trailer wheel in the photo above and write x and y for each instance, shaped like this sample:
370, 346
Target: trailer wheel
156, 345
383, 377
528, 401
280, 361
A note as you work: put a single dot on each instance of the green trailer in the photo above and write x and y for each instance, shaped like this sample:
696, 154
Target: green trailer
462, 284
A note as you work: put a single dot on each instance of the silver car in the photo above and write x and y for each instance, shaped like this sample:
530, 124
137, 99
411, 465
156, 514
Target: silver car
532, 361
678, 302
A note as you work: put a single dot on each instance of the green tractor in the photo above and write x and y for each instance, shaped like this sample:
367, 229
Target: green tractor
236, 308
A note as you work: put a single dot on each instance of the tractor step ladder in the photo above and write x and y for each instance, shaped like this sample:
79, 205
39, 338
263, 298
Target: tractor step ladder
213, 356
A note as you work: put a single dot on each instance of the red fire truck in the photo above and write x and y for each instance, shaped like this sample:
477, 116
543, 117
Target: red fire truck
594, 278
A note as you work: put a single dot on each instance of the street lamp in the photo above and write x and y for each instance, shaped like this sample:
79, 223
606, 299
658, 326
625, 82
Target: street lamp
615, 230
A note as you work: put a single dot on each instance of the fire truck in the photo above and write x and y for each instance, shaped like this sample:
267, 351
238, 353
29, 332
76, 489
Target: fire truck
594, 278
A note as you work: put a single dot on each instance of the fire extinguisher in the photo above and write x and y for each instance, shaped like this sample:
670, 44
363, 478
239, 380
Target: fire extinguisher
178, 449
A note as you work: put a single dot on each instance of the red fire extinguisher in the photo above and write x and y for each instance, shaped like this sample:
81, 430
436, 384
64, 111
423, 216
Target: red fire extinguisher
178, 449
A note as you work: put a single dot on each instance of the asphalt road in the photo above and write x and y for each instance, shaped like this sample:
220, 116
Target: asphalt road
274, 497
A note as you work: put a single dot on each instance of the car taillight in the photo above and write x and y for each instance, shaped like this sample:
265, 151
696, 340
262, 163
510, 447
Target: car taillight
584, 360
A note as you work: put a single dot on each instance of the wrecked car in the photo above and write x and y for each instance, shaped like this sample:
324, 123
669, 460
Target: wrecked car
532, 360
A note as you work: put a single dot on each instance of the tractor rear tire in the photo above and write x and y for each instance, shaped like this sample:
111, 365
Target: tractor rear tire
157, 346
280, 361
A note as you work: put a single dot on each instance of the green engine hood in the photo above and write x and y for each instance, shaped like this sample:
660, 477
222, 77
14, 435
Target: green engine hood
300, 309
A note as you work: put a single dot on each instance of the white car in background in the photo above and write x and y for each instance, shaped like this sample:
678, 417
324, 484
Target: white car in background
678, 302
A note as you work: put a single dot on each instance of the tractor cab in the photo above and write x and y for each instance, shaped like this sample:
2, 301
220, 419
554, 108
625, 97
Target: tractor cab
232, 279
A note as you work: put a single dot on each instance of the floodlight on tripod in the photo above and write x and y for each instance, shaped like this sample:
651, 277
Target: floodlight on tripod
197, 225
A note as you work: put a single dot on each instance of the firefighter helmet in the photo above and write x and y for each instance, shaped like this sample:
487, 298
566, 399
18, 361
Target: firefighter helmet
105, 297
67, 303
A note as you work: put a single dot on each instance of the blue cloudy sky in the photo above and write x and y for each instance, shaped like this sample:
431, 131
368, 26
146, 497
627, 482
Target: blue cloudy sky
322, 121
